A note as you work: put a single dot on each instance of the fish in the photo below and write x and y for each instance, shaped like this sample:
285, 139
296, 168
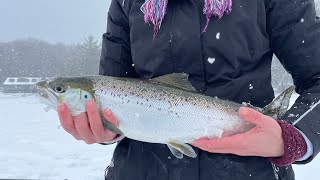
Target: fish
165, 110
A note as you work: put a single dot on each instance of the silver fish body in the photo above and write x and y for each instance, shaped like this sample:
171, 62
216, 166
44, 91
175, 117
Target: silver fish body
155, 113
164, 110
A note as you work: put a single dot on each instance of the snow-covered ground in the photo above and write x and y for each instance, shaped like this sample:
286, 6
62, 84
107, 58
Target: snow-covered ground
34, 146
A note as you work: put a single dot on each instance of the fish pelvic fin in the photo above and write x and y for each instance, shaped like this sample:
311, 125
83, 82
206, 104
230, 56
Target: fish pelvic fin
178, 150
175, 152
176, 80
279, 106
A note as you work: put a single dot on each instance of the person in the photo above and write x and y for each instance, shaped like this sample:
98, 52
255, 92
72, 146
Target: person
226, 47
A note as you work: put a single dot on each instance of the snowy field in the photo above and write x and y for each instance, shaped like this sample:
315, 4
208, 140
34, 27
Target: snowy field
34, 146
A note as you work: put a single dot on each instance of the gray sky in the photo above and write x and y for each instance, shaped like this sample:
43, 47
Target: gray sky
67, 21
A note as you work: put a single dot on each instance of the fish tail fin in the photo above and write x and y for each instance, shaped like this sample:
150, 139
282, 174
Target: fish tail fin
279, 106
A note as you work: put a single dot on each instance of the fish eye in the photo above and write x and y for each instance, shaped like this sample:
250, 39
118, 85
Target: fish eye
59, 89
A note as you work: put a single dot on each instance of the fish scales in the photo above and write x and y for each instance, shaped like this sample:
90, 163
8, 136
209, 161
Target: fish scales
174, 113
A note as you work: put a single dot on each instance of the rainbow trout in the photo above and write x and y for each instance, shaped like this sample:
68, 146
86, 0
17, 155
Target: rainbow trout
165, 110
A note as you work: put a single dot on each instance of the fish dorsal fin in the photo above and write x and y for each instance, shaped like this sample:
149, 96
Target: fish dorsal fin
279, 106
179, 149
177, 80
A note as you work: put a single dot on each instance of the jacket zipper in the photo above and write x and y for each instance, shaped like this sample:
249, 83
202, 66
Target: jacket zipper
171, 51
171, 36
276, 171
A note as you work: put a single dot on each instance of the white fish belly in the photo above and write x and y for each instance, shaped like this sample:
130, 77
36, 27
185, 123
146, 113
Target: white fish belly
140, 121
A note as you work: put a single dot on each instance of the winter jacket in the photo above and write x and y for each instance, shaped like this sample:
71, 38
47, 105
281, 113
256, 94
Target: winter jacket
231, 60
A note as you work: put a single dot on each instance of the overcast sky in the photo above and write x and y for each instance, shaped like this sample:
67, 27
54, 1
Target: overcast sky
67, 21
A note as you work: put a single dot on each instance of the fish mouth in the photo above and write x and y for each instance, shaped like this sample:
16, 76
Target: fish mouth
47, 95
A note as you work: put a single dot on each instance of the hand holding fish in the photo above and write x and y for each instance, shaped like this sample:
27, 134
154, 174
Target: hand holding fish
264, 140
87, 126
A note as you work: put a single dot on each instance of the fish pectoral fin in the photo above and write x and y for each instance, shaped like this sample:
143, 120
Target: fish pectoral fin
111, 127
108, 125
176, 80
117, 139
179, 149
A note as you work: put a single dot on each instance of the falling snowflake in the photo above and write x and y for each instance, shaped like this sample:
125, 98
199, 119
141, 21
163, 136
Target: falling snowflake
211, 60
218, 35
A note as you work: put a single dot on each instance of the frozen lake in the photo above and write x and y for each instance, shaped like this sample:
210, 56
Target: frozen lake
34, 146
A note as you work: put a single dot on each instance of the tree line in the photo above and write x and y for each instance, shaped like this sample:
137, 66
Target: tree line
37, 58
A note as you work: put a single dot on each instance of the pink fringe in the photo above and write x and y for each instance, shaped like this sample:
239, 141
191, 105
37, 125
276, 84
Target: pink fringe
216, 8
154, 11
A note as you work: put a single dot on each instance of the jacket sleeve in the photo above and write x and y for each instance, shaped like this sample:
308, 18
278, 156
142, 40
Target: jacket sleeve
294, 32
116, 52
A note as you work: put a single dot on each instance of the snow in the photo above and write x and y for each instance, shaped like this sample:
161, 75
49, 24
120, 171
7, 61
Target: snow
218, 35
34, 146
211, 60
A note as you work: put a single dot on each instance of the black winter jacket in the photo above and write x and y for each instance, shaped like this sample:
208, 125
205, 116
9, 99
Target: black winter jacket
249, 36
